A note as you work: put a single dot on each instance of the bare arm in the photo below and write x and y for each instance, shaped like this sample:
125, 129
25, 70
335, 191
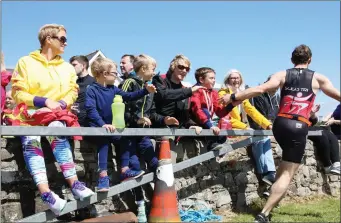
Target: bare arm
272, 84
327, 87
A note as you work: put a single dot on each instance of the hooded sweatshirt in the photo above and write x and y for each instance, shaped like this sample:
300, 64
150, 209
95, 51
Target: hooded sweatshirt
36, 79
98, 102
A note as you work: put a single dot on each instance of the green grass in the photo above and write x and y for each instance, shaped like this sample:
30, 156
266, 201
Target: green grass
325, 209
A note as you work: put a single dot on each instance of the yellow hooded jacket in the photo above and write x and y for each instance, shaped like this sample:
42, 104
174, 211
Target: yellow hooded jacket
249, 109
34, 76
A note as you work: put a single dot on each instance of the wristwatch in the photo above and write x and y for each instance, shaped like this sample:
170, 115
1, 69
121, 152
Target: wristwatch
233, 97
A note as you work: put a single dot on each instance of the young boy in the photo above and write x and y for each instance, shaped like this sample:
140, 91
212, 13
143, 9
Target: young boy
204, 104
139, 114
99, 97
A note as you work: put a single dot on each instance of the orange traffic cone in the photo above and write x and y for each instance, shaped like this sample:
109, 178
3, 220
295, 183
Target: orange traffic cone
164, 203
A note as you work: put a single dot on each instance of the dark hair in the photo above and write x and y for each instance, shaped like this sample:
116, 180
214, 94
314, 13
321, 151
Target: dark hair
81, 59
131, 57
201, 72
301, 55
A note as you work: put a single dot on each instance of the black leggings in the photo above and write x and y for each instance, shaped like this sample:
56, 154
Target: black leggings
291, 136
327, 146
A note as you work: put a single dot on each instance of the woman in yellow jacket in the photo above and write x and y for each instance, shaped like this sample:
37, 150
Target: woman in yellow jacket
233, 82
44, 80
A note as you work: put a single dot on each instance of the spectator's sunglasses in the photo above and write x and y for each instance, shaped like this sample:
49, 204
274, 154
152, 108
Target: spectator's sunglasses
181, 67
61, 39
114, 74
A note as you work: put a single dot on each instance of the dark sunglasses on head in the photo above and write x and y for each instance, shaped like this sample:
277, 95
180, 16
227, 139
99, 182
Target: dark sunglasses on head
180, 67
61, 39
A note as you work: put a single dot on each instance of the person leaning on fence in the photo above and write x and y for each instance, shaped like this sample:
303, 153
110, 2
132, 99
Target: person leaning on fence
140, 114
327, 145
172, 98
233, 82
204, 104
299, 86
99, 97
44, 80
81, 65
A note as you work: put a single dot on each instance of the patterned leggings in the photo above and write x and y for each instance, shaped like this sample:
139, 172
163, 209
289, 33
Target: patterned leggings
34, 156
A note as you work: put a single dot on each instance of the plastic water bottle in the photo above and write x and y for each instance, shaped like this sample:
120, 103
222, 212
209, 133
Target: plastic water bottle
117, 108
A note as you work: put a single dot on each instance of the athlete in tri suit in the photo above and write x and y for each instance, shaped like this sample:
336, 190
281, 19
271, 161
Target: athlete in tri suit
299, 87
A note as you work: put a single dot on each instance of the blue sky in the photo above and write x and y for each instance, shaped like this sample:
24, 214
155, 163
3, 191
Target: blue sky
256, 38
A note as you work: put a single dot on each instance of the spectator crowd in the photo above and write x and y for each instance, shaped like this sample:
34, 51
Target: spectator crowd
46, 90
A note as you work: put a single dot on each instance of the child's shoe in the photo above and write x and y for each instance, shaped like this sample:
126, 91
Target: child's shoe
131, 174
80, 191
103, 184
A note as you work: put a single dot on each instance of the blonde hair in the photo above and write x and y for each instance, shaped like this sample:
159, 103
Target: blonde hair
227, 77
176, 61
143, 60
100, 65
49, 30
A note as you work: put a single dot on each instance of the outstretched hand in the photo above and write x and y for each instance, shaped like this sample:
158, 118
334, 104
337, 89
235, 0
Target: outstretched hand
316, 108
196, 88
225, 100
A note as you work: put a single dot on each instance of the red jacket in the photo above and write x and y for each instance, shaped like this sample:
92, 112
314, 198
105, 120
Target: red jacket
5, 79
43, 117
204, 104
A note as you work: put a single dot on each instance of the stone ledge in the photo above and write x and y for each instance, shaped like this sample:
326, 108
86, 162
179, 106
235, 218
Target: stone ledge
231, 184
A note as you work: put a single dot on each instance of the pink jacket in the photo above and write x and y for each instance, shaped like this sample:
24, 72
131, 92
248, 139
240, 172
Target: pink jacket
5, 79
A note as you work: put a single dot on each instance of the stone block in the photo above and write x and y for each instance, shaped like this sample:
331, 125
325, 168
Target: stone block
241, 179
11, 212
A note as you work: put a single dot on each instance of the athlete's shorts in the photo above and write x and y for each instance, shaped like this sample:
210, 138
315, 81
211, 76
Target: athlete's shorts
291, 136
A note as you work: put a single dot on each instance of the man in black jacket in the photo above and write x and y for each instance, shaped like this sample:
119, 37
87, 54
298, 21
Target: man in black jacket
267, 104
81, 65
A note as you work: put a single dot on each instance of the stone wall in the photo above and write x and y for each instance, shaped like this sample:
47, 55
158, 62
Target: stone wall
230, 184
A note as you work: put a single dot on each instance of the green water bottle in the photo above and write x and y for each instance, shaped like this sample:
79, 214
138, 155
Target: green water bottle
117, 108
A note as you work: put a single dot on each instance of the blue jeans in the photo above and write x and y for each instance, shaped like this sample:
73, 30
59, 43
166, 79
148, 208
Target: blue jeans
262, 153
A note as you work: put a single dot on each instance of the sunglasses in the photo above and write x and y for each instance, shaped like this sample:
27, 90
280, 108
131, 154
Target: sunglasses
61, 39
180, 67
113, 74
